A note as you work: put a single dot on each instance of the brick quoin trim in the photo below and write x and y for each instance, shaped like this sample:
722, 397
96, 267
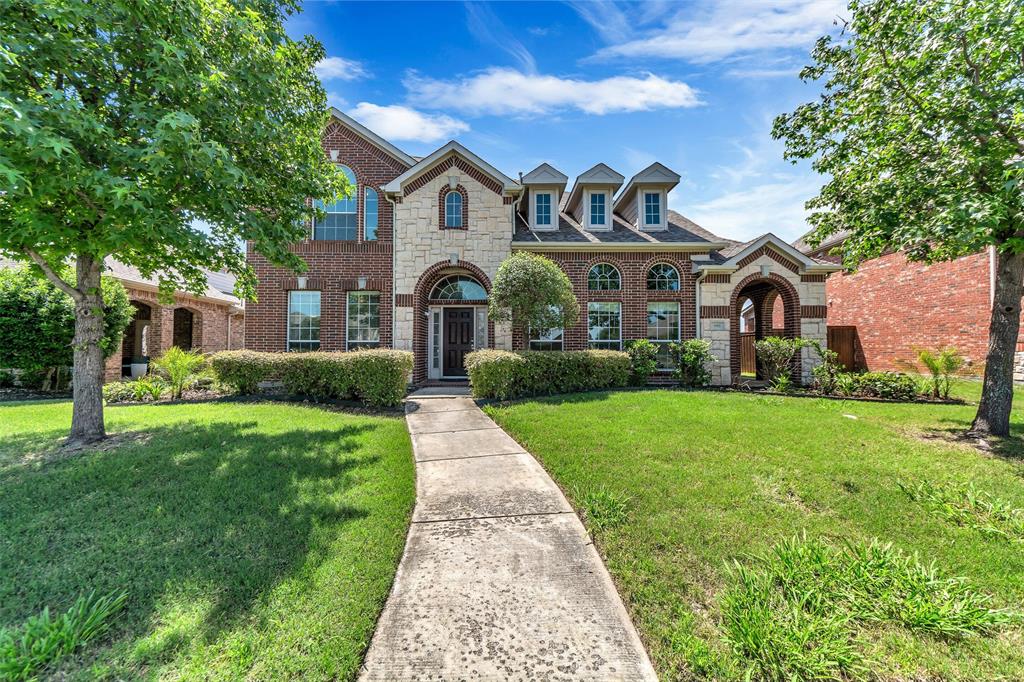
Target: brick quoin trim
334, 266
771, 253
449, 163
420, 322
442, 195
633, 296
791, 329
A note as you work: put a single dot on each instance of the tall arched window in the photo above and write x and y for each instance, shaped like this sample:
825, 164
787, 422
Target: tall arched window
340, 223
453, 209
663, 277
604, 277
370, 214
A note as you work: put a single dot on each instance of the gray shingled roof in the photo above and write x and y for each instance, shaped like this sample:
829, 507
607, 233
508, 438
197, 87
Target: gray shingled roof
680, 229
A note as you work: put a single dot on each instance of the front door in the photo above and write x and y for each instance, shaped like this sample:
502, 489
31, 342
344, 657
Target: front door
458, 340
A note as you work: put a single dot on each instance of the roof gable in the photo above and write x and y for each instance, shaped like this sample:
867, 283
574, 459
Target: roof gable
545, 174
741, 256
452, 148
656, 174
371, 137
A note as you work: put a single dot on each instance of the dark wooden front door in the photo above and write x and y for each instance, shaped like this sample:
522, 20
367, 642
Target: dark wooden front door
458, 340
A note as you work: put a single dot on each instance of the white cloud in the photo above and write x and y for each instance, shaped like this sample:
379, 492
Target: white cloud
341, 69
501, 91
488, 29
776, 207
717, 29
395, 122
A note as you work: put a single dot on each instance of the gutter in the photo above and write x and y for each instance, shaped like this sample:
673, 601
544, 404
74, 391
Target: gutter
541, 247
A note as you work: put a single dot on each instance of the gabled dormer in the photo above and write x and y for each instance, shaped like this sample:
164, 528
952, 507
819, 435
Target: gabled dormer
544, 187
644, 201
590, 201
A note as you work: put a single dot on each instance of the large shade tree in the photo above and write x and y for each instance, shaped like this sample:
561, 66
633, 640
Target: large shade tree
920, 131
159, 132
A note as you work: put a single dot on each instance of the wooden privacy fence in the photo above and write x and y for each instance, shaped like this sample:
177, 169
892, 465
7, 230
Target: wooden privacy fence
843, 340
748, 357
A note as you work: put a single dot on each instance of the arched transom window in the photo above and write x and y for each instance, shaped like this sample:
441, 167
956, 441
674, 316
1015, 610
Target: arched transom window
453, 209
663, 277
340, 220
458, 288
604, 277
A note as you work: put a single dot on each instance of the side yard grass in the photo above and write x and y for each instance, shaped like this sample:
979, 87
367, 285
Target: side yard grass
788, 537
252, 540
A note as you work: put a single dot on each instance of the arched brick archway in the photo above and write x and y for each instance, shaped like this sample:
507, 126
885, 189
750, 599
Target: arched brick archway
762, 290
421, 304
187, 332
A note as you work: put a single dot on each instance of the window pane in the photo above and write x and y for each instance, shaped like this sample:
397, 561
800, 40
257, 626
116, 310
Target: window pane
370, 214
303, 320
458, 288
340, 221
663, 277
652, 208
597, 209
604, 326
550, 341
543, 208
363, 319
453, 209
604, 277
663, 329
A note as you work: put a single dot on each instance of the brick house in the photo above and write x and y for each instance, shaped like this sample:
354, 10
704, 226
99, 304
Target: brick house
892, 307
407, 262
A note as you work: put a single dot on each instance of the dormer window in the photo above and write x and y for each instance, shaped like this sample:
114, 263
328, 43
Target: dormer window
651, 209
598, 212
542, 210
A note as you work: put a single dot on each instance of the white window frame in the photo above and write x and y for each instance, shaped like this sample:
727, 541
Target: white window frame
458, 216
641, 209
607, 224
366, 213
555, 335
678, 334
553, 225
355, 199
288, 323
351, 343
618, 341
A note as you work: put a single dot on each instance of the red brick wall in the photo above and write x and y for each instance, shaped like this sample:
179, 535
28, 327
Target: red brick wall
633, 296
334, 266
899, 306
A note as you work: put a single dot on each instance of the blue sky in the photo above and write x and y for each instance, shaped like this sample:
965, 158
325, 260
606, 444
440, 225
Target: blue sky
694, 85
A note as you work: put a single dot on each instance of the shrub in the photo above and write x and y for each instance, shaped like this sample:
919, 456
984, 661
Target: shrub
118, 392
889, 385
827, 369
942, 366
179, 367
775, 355
692, 358
43, 640
150, 387
643, 361
783, 383
244, 370
532, 292
318, 375
504, 374
6, 378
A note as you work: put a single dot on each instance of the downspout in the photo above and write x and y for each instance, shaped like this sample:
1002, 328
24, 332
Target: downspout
700, 277
516, 202
394, 317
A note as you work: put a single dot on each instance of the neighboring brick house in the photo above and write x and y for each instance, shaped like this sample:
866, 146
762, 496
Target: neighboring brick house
898, 307
211, 322
407, 262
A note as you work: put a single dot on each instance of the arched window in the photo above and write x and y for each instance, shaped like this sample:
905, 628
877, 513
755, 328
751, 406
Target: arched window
453, 209
370, 214
340, 222
458, 288
604, 277
663, 277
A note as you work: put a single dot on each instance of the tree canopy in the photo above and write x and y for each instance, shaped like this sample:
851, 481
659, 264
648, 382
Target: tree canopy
533, 293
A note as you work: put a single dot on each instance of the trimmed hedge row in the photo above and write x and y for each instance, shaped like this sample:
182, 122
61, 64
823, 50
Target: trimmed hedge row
504, 374
377, 377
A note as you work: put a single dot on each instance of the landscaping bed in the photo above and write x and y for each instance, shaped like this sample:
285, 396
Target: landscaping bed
251, 540
788, 539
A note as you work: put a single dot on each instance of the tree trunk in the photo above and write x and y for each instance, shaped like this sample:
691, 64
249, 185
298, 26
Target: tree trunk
87, 417
993, 416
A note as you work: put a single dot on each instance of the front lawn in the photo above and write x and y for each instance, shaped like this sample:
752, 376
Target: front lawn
677, 486
254, 540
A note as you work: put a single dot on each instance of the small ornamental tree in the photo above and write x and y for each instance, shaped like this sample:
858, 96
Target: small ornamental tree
920, 132
163, 134
532, 293
37, 320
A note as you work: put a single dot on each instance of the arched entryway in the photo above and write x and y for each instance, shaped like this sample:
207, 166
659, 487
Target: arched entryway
188, 329
758, 298
450, 320
136, 341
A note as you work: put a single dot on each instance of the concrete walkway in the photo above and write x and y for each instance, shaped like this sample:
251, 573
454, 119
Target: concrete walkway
499, 580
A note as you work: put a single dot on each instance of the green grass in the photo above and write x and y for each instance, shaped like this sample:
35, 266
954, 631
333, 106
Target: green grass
715, 480
254, 540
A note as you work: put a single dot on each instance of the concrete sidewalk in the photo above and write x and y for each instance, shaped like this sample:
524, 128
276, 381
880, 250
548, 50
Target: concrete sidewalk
499, 580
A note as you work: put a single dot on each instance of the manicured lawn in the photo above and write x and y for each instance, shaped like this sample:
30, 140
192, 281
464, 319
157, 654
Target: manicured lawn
680, 485
254, 540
